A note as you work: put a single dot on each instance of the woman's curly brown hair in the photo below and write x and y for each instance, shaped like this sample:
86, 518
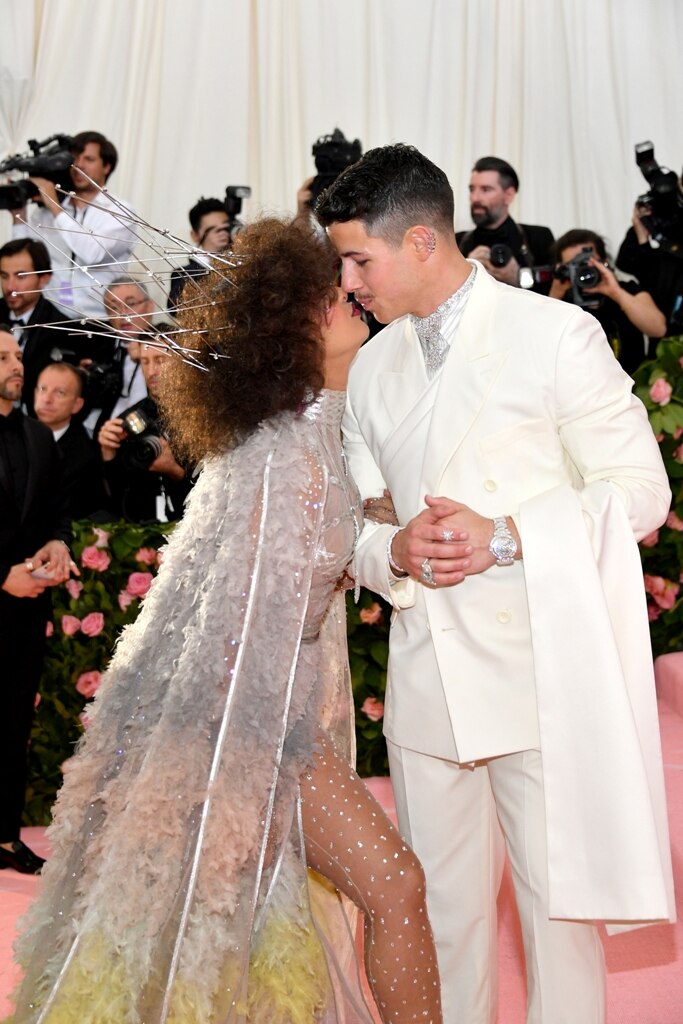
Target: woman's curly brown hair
256, 327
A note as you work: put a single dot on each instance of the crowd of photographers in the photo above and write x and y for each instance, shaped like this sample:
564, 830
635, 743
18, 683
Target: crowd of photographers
70, 246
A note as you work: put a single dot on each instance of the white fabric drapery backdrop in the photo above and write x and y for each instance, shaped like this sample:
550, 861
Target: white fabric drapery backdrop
199, 94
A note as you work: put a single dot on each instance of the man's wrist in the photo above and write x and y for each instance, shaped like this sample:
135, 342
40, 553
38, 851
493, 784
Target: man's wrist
395, 569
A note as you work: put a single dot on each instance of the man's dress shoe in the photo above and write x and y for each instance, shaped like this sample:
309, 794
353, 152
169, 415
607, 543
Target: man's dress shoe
21, 859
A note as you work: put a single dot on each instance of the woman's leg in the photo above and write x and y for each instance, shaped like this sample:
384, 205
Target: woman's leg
351, 842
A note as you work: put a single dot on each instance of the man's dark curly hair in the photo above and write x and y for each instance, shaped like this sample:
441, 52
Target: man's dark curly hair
256, 327
390, 189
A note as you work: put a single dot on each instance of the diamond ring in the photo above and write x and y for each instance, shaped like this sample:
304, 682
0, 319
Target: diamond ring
448, 534
427, 574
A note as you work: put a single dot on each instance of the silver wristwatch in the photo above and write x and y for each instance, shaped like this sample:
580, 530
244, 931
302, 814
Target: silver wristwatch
503, 545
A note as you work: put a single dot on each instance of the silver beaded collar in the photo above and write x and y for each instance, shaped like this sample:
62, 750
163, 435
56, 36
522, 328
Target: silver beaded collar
428, 328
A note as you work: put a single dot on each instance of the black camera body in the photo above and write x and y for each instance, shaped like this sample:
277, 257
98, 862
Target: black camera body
581, 274
143, 444
662, 206
49, 159
332, 154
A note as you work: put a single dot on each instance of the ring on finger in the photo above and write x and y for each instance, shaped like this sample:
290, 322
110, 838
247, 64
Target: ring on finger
427, 572
448, 534
29, 564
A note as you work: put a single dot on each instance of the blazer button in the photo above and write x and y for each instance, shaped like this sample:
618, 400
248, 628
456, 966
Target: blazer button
504, 615
490, 485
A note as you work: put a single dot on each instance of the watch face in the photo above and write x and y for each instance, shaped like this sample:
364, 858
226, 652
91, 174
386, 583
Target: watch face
504, 548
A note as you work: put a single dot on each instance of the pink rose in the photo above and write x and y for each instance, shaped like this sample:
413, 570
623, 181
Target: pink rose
102, 537
653, 612
660, 392
93, 624
94, 558
49, 628
125, 599
678, 432
663, 591
70, 625
88, 682
146, 556
371, 615
673, 522
36, 700
678, 453
74, 588
139, 583
373, 708
650, 540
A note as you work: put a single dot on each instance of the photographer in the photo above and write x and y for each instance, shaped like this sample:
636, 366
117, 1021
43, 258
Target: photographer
497, 241
625, 310
210, 232
144, 481
660, 271
84, 230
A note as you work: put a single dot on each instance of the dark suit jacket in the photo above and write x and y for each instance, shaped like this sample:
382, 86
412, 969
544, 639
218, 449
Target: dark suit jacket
539, 239
82, 472
44, 514
43, 344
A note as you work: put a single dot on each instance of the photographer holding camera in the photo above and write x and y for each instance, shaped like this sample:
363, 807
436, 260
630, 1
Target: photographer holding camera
214, 225
497, 241
84, 230
653, 247
144, 481
625, 310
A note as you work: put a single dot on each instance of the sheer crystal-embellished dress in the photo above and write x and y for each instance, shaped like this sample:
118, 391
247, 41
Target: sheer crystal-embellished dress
177, 890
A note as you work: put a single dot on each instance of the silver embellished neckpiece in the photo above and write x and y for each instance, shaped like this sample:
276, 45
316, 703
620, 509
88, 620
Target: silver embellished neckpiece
428, 328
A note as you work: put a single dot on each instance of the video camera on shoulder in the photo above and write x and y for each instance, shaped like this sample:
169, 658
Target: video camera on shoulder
661, 209
580, 272
143, 442
49, 159
332, 154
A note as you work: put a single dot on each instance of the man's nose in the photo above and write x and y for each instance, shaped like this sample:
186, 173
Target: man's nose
350, 280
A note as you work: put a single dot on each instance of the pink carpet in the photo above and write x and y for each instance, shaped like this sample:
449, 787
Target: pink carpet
645, 968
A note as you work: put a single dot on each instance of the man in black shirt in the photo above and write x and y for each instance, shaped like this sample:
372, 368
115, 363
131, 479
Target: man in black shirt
493, 187
34, 533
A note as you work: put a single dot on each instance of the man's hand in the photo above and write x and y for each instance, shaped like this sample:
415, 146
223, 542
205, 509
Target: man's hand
165, 463
48, 195
465, 553
427, 535
55, 558
110, 437
641, 230
509, 274
20, 582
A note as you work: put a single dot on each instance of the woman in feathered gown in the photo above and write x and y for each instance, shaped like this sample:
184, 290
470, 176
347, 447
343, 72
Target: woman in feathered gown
216, 771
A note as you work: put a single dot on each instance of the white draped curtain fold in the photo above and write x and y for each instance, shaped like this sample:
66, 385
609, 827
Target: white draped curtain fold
199, 94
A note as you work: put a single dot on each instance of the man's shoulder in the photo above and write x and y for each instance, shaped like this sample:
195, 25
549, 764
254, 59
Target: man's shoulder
37, 433
46, 313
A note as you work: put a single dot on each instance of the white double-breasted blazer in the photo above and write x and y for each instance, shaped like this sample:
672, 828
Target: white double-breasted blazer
531, 416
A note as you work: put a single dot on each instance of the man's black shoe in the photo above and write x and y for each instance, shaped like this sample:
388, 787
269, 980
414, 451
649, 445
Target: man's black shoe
21, 859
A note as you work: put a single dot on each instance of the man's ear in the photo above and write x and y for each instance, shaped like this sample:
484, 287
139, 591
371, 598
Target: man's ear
78, 405
195, 237
422, 240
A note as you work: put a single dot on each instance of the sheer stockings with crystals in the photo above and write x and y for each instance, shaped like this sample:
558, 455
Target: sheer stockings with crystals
351, 841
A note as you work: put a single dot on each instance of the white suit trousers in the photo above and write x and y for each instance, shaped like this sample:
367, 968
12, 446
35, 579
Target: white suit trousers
452, 816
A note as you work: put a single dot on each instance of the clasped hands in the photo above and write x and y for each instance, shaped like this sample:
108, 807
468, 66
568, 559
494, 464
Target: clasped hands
451, 536
54, 558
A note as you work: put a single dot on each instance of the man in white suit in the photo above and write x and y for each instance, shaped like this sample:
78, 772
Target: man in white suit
520, 699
